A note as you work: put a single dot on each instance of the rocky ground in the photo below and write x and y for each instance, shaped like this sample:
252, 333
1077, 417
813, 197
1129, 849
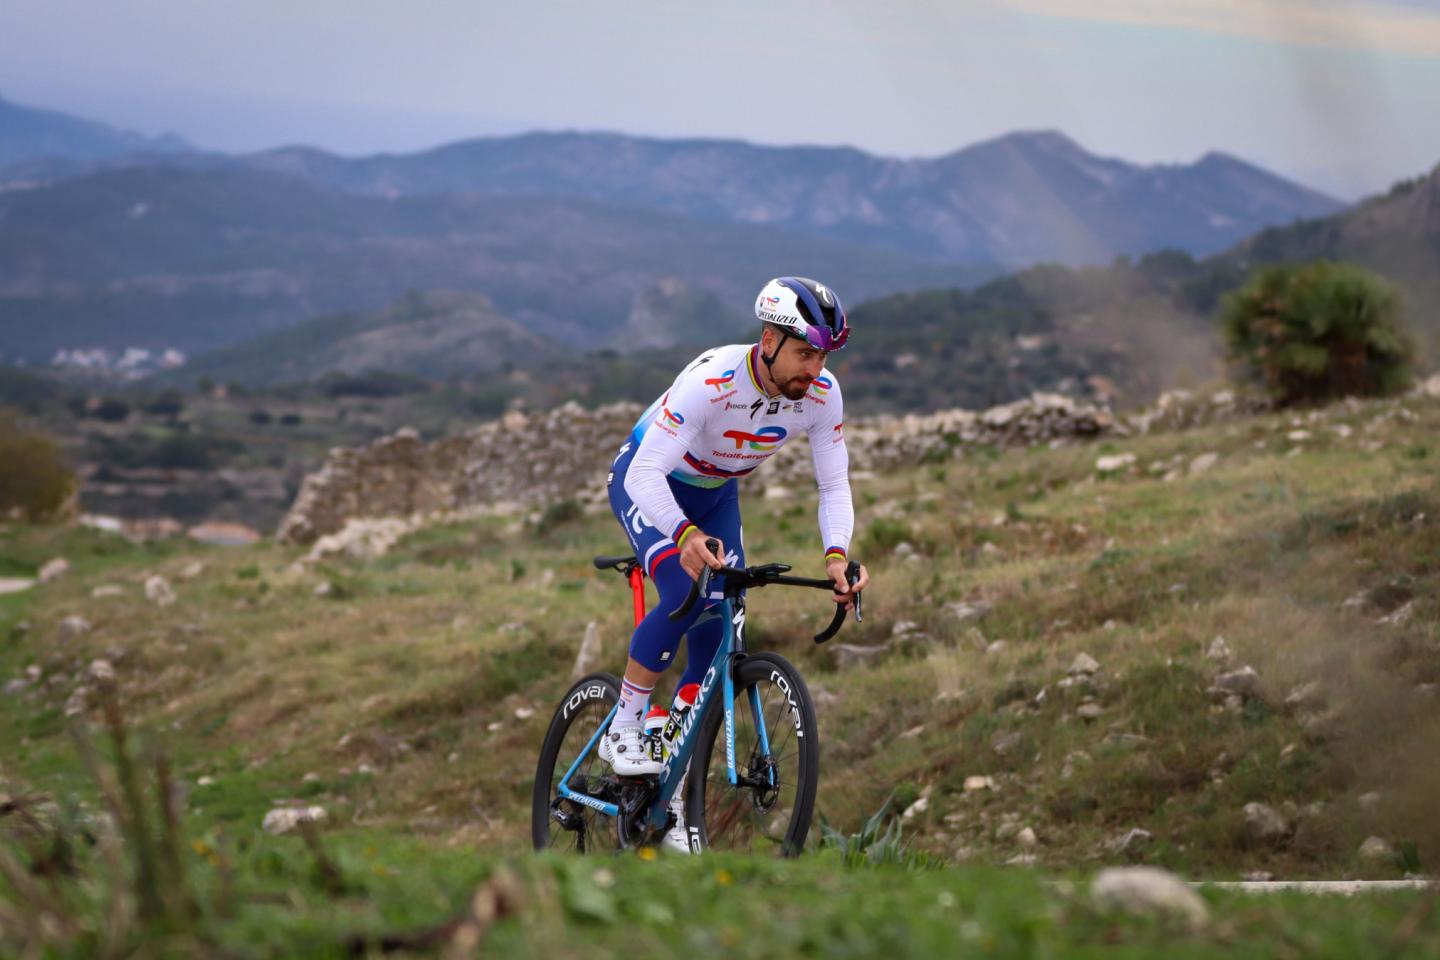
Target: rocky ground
1207, 642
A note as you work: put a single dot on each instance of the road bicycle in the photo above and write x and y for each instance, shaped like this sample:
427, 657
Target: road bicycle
751, 733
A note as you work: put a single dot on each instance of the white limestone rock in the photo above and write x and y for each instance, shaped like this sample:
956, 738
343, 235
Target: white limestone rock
1114, 463
283, 820
1133, 841
1218, 650
1244, 681
1148, 891
71, 627
1376, 850
1203, 463
1264, 824
53, 570
587, 659
159, 592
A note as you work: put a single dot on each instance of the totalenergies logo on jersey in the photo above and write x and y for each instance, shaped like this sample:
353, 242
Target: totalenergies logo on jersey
669, 418
723, 382
762, 442
821, 386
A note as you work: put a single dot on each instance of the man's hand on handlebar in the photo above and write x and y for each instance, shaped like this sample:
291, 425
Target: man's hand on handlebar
695, 556
844, 592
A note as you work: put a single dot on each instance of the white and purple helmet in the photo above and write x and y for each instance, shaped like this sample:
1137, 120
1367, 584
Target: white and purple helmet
806, 310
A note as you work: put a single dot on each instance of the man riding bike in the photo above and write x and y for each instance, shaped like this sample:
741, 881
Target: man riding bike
673, 486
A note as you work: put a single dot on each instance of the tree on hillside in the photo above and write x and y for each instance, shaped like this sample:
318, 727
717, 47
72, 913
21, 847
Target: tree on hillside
36, 483
112, 410
1317, 331
168, 404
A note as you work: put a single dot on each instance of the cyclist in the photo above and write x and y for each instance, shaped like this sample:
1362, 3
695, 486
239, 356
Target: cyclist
673, 486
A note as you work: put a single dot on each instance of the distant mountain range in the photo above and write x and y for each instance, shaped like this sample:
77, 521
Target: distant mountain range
1123, 332
28, 135
1019, 199
1022, 198
198, 259
548, 245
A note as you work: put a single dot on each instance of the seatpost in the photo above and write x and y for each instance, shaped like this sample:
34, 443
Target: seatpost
637, 592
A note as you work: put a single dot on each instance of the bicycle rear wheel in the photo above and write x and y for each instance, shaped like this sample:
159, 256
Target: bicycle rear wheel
565, 825
777, 762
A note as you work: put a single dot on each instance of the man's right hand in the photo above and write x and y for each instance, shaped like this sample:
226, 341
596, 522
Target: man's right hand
695, 556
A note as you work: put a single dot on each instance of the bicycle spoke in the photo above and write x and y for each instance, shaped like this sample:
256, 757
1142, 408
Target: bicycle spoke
597, 830
753, 815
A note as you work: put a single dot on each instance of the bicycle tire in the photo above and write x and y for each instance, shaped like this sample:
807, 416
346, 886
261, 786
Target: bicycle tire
739, 817
581, 712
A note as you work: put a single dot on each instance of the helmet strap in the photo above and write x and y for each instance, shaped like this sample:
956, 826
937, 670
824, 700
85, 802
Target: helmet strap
770, 360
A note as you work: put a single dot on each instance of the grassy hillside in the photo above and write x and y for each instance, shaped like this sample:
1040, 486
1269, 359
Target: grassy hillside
1123, 333
410, 698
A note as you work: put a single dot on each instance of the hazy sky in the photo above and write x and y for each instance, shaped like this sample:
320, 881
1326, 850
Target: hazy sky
1341, 94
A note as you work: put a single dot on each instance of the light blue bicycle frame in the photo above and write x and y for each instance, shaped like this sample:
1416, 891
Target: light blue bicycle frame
732, 648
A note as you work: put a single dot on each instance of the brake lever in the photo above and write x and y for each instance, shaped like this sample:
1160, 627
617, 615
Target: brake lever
700, 588
852, 577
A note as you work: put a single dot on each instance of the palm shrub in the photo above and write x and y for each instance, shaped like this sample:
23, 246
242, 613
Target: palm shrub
1316, 331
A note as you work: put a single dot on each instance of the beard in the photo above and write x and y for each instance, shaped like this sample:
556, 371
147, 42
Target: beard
794, 389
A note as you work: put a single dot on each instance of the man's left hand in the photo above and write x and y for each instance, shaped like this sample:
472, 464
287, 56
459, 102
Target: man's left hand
844, 593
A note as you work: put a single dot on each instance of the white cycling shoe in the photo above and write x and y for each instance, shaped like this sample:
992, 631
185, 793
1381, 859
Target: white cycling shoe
624, 748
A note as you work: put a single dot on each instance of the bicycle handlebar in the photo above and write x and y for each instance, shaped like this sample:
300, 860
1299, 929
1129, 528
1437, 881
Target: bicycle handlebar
767, 574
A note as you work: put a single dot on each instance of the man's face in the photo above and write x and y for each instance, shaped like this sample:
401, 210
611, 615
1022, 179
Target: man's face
797, 364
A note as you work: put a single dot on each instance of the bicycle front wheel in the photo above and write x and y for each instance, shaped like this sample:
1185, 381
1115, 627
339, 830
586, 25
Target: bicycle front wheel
565, 825
777, 763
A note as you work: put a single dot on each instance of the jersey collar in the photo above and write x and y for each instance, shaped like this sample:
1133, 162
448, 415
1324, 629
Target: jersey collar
752, 367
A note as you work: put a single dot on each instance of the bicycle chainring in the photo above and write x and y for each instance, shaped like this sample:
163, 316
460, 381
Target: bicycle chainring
634, 802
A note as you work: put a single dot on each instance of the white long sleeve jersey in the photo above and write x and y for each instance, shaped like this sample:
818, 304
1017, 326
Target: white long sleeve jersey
716, 423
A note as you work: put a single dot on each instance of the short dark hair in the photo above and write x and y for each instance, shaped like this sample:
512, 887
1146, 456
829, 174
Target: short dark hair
781, 332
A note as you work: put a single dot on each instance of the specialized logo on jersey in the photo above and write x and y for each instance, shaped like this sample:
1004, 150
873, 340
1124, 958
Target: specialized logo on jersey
821, 386
762, 442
